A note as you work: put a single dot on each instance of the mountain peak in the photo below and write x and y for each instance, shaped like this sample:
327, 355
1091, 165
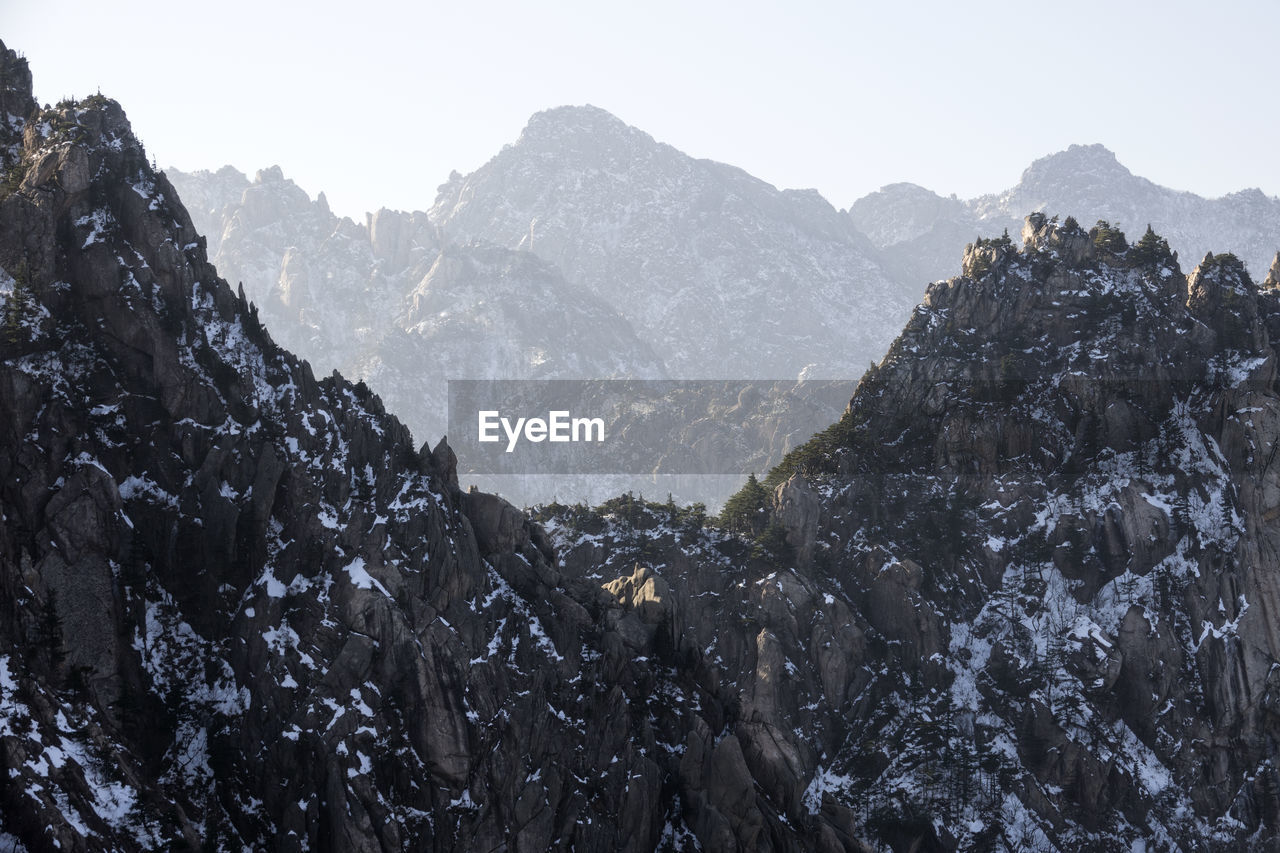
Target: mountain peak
578, 115
1094, 150
16, 98
1075, 162
269, 175
574, 126
907, 189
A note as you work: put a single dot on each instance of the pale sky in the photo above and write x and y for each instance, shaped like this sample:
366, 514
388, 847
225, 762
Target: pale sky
375, 102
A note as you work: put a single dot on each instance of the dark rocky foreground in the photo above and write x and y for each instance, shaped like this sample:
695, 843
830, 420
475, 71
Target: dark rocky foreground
1022, 596
240, 609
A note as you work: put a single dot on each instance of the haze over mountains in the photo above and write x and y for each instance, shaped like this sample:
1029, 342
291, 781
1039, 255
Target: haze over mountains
586, 249
719, 274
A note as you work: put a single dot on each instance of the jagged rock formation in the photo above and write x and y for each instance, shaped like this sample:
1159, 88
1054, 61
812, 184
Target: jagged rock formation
391, 302
920, 233
238, 610
1023, 594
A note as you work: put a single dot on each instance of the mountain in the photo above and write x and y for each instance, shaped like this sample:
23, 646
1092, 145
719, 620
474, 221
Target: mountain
390, 301
920, 232
719, 274
1022, 593
238, 610
725, 277
722, 274
1019, 596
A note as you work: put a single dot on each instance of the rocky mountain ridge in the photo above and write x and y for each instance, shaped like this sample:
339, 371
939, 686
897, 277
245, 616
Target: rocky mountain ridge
238, 609
659, 265
1024, 594
920, 232
723, 274
653, 264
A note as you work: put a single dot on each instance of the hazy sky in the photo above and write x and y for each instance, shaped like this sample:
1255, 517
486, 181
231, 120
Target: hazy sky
375, 102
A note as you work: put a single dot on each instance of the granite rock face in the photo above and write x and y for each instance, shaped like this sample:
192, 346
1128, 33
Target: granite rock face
238, 610
1026, 595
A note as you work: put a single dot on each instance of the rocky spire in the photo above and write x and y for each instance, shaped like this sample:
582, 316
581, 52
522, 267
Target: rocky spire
16, 100
1273, 275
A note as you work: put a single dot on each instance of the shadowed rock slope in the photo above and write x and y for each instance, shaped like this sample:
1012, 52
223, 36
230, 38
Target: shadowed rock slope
1023, 596
237, 609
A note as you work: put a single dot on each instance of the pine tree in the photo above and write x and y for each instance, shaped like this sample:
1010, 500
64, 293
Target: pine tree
695, 517
1152, 249
1054, 671
49, 633
772, 544
1127, 587
19, 310
134, 571
744, 512
1108, 237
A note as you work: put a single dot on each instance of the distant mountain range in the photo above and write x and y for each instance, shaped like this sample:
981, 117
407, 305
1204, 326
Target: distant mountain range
722, 274
921, 234
586, 249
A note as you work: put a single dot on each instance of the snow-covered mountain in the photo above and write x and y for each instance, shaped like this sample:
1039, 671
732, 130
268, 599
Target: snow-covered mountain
718, 273
391, 302
920, 232
724, 275
238, 610
583, 250
1024, 592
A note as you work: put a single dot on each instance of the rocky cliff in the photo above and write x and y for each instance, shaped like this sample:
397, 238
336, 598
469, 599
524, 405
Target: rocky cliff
239, 610
1023, 594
